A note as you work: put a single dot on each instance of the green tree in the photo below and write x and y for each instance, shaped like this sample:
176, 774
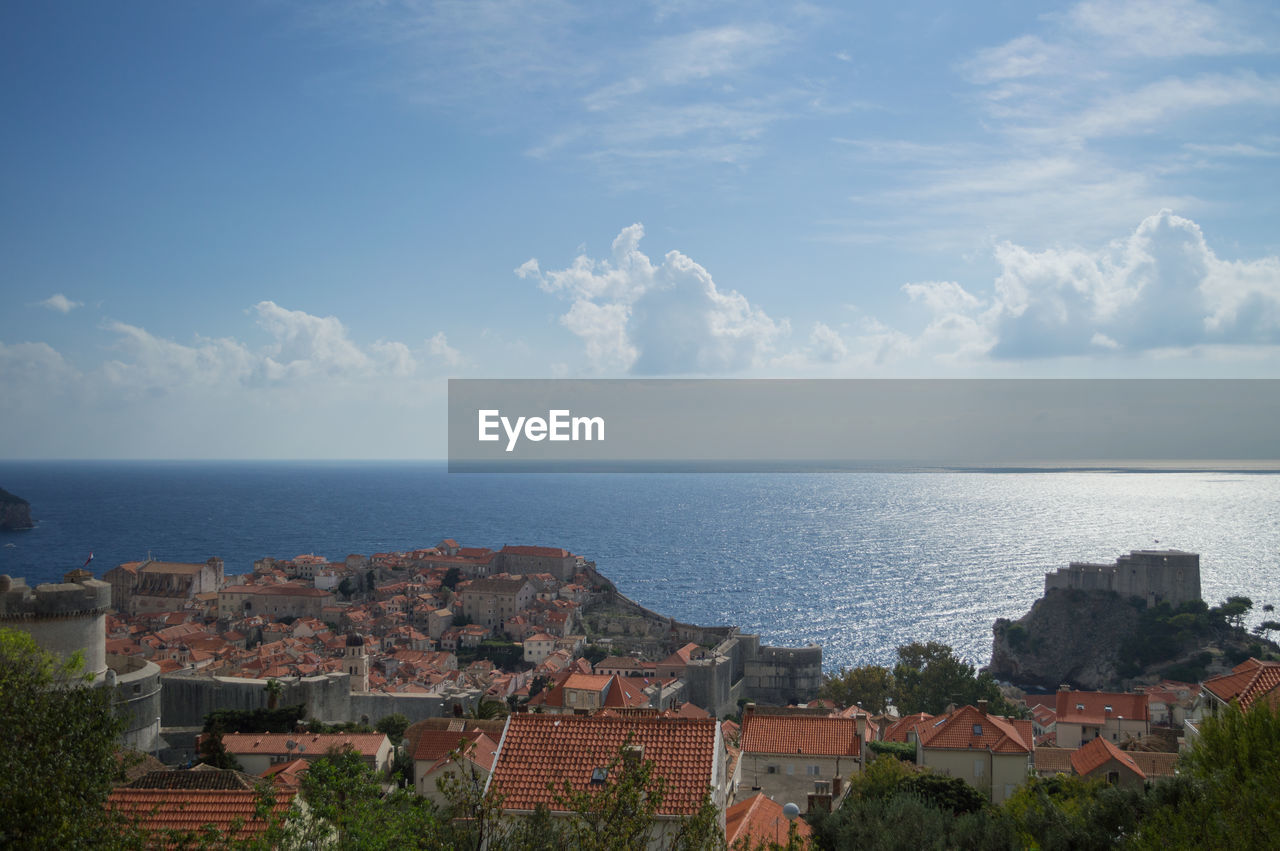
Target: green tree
1234, 782
213, 752
393, 726
347, 805
451, 578
346, 587
869, 686
489, 710
57, 746
928, 677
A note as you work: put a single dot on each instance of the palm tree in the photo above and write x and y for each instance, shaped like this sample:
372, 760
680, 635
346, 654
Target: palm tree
274, 690
488, 710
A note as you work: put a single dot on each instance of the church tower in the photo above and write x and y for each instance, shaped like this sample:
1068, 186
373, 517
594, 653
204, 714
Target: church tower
356, 663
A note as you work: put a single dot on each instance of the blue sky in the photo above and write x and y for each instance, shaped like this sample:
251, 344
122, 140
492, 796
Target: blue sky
260, 230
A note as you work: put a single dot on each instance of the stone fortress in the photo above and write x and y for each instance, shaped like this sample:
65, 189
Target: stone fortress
71, 617
1156, 576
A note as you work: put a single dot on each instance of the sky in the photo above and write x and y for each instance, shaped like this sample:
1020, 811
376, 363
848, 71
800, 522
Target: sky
274, 229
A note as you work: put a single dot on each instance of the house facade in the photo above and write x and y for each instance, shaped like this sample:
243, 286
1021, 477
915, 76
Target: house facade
799, 758
989, 752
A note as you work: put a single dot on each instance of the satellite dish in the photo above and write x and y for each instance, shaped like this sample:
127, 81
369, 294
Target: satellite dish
790, 811
290, 744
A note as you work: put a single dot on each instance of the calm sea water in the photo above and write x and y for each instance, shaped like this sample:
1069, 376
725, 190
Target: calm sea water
857, 562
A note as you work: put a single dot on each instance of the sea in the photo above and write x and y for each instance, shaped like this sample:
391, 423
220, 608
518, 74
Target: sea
859, 562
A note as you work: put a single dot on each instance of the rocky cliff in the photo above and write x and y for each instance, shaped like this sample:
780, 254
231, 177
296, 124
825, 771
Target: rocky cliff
15, 512
1067, 637
1098, 640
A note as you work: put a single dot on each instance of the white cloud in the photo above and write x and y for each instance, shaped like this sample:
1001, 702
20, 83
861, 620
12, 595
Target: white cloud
1163, 28
826, 345
308, 345
154, 365
1160, 289
60, 303
439, 347
666, 319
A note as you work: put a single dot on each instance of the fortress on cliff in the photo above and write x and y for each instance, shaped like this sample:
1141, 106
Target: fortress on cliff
1156, 576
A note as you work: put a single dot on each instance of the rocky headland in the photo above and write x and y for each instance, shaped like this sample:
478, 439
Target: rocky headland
15, 512
1102, 641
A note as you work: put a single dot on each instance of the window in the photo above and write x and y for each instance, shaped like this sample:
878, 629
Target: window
977, 729
977, 768
773, 769
813, 770
791, 769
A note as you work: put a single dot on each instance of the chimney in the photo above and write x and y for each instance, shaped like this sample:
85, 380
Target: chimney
861, 722
1064, 687
982, 707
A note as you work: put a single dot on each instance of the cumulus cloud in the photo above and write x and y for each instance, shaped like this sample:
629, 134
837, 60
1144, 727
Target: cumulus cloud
826, 345
155, 365
308, 345
60, 303
665, 319
1160, 288
439, 347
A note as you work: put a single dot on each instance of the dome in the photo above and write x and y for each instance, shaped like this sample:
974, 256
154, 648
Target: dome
354, 640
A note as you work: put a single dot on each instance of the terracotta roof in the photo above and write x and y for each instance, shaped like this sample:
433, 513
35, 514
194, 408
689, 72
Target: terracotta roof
898, 730
1098, 753
287, 773
1247, 682
286, 588
308, 745
1053, 760
1091, 707
687, 710
815, 735
437, 744
540, 552
1155, 764
969, 728
192, 810
759, 819
203, 777
540, 750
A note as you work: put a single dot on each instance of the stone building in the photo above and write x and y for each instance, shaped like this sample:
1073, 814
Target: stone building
141, 587
272, 601
1156, 576
491, 601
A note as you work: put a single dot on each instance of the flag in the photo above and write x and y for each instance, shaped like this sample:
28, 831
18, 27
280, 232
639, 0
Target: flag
86, 561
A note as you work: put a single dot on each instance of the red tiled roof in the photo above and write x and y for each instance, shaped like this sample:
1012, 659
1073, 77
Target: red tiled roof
814, 735
1098, 753
191, 810
437, 744
287, 773
1247, 682
759, 819
969, 728
897, 731
540, 552
1053, 760
1090, 707
283, 588
1156, 764
315, 744
540, 750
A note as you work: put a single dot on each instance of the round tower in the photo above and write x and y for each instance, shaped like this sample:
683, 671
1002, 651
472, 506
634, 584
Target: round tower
63, 618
